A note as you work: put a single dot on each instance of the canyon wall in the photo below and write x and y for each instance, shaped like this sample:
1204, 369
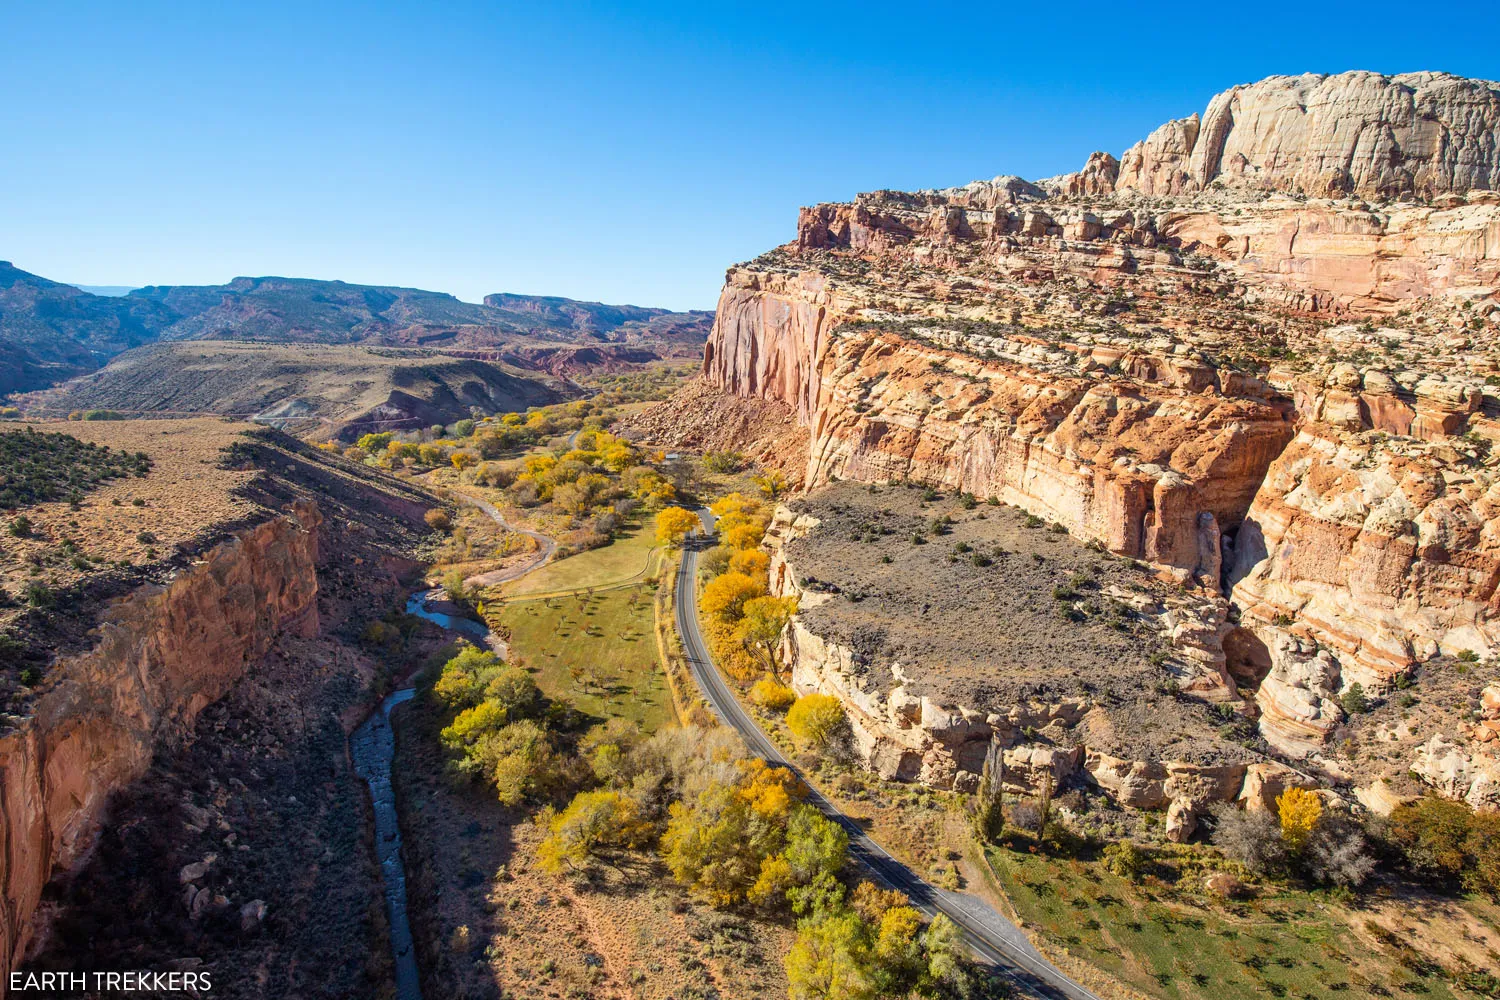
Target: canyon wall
1150, 471
1361, 133
163, 654
1261, 351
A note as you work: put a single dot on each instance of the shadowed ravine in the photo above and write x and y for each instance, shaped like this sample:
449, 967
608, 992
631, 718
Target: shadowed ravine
373, 745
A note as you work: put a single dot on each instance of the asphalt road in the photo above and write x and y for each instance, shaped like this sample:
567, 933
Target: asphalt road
993, 938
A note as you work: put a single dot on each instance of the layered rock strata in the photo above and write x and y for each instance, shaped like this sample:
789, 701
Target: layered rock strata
1258, 351
1361, 133
164, 653
929, 686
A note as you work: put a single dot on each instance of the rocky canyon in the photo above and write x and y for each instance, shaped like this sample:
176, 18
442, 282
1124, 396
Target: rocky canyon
1257, 353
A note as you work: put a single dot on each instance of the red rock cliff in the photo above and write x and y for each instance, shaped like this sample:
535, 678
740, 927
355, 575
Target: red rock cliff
1214, 353
164, 653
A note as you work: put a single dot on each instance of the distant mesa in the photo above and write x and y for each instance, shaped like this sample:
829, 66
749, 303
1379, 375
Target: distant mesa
51, 332
108, 291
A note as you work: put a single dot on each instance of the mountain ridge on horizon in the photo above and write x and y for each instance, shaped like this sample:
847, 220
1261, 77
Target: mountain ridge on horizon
51, 331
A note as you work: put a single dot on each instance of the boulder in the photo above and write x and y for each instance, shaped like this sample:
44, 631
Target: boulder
196, 870
252, 914
1182, 820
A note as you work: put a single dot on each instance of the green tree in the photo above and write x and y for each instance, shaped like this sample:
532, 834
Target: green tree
765, 618
453, 583
512, 688
464, 678
473, 725
1354, 701
829, 960
1450, 839
987, 811
374, 442
608, 746
519, 759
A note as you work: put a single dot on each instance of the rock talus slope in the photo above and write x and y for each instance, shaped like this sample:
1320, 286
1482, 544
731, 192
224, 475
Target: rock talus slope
1260, 350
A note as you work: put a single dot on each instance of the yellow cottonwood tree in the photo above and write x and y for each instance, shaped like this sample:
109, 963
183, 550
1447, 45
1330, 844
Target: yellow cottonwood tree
1299, 810
673, 524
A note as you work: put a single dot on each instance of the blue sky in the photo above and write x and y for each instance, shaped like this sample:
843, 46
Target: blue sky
626, 153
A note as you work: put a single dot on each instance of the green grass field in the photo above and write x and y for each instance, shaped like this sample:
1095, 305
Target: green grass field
1285, 944
624, 560
599, 653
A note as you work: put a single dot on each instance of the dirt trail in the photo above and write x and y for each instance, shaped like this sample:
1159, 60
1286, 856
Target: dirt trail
544, 554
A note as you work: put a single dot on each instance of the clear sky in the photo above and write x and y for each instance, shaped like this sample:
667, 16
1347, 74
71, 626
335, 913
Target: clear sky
626, 153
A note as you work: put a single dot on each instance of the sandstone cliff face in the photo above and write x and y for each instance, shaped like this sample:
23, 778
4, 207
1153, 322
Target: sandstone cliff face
1365, 133
1153, 472
164, 653
1259, 351
769, 331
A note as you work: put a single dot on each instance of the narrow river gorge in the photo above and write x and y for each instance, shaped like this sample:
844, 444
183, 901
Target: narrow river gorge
372, 747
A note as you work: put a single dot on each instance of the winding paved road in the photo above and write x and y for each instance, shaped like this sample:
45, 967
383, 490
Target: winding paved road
992, 938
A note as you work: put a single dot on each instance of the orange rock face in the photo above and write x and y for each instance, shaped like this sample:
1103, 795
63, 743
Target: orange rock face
1151, 471
1212, 353
164, 654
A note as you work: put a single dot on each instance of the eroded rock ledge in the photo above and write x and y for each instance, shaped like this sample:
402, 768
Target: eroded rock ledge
1082, 666
1260, 351
164, 653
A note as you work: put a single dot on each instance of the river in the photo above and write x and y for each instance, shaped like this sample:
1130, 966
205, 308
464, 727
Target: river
373, 746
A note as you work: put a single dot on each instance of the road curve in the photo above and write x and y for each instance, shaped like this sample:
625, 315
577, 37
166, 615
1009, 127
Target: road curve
992, 938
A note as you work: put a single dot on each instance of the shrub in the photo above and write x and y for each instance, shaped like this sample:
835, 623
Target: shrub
1449, 839
39, 595
817, 720
771, 484
772, 696
1251, 838
438, 519
20, 526
1337, 852
723, 461
1125, 859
